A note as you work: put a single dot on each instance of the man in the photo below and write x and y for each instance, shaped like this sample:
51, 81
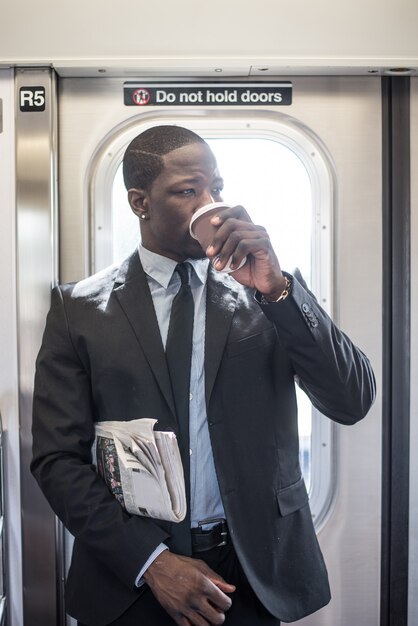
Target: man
255, 332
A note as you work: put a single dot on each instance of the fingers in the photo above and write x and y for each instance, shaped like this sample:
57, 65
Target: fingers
217, 598
189, 590
202, 617
217, 580
224, 586
236, 237
237, 212
203, 613
196, 620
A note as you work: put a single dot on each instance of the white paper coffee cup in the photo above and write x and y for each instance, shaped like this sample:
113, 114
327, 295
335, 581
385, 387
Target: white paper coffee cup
200, 228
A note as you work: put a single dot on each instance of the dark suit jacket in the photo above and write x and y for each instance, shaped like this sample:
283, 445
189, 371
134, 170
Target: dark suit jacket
102, 359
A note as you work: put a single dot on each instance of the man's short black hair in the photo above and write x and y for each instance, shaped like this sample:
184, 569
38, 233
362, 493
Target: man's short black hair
143, 161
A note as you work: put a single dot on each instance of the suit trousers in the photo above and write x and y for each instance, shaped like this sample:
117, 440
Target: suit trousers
246, 609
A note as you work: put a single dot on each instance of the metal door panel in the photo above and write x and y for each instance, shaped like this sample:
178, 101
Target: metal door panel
36, 241
9, 392
346, 114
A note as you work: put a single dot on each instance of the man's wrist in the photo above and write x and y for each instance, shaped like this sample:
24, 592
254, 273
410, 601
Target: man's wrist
140, 579
279, 295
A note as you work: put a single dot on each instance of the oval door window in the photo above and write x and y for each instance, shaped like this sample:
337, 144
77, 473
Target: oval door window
287, 186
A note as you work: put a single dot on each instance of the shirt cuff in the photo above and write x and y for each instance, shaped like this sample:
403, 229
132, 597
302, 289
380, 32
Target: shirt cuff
139, 581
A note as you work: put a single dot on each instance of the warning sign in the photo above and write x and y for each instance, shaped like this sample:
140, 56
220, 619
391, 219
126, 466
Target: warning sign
141, 97
207, 94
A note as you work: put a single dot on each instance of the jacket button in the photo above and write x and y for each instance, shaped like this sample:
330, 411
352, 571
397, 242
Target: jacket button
305, 307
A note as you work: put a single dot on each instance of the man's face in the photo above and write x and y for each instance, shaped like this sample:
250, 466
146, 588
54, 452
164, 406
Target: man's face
189, 180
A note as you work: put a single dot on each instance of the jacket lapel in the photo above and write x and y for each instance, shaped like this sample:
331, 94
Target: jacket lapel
131, 289
220, 307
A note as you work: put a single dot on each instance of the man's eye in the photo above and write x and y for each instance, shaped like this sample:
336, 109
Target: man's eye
186, 192
217, 191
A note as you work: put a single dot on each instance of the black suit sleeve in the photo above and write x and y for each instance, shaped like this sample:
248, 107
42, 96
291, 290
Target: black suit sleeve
335, 374
63, 432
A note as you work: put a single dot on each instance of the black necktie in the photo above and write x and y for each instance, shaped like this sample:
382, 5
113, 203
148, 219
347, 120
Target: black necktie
179, 357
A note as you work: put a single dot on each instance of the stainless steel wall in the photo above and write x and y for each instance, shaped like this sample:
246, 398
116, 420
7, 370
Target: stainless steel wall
36, 244
8, 353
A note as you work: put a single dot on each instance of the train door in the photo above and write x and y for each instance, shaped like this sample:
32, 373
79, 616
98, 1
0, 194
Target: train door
337, 120
333, 127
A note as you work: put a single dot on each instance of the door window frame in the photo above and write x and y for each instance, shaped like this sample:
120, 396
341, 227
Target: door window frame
216, 124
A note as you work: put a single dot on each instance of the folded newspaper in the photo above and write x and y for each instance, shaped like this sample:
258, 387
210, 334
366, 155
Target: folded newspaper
141, 467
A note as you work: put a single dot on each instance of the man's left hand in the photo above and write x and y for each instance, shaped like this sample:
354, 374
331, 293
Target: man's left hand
238, 237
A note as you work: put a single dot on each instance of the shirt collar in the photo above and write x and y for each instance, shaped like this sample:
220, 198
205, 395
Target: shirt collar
161, 268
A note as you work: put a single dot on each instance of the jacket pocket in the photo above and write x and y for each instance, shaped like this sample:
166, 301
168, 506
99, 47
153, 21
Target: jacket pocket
292, 498
265, 338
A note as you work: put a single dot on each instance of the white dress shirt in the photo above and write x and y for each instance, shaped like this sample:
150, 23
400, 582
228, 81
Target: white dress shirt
164, 282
